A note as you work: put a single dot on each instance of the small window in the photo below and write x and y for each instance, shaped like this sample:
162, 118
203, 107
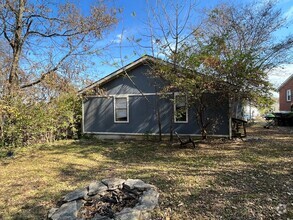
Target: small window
180, 109
121, 110
288, 95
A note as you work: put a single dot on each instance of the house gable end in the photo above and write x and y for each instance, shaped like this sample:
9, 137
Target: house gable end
137, 81
122, 73
290, 78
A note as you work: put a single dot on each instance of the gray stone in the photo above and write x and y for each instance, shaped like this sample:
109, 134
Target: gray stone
143, 186
66, 211
137, 184
113, 183
97, 188
100, 217
128, 214
51, 212
148, 201
75, 195
129, 183
79, 203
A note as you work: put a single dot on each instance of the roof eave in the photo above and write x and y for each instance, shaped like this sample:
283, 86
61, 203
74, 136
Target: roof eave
285, 82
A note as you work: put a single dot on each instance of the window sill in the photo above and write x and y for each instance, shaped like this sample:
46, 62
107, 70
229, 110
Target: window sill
121, 122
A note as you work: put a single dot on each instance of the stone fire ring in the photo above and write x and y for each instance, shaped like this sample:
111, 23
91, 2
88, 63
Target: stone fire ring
73, 201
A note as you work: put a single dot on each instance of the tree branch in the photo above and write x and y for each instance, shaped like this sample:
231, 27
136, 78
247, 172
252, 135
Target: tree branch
5, 31
43, 76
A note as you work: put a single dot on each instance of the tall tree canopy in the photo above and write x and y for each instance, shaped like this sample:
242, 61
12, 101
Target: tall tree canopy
234, 44
237, 44
230, 51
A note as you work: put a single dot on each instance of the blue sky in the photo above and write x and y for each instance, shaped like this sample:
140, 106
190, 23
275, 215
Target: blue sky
131, 22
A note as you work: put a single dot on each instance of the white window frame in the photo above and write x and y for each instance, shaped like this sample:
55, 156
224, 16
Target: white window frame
288, 95
127, 108
174, 106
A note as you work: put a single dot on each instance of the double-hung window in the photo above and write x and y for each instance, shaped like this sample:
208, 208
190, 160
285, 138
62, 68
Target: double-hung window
180, 109
288, 95
121, 112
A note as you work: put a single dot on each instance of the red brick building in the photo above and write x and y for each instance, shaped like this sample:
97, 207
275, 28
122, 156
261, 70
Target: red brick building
286, 95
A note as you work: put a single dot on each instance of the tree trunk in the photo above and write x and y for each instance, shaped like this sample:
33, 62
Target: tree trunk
172, 121
158, 112
16, 44
203, 134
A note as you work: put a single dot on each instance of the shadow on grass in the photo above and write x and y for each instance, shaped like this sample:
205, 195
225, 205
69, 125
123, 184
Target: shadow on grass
35, 207
259, 188
243, 180
253, 193
82, 147
134, 152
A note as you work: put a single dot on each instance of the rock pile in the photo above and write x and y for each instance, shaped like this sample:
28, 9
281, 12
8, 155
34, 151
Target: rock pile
109, 199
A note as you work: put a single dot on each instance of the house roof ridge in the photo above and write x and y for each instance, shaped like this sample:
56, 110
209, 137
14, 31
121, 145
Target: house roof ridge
116, 73
287, 80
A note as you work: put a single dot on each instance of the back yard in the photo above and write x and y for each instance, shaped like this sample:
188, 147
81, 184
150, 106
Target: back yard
221, 179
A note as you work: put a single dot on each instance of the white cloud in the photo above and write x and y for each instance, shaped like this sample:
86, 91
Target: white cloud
119, 39
278, 75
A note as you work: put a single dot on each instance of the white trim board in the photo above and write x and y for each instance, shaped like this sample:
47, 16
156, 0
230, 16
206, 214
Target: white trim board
82, 117
130, 95
153, 134
288, 95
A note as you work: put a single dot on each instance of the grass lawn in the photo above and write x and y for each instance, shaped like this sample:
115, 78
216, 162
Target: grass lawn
250, 179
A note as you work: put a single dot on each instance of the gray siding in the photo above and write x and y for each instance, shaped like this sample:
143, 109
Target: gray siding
142, 79
99, 117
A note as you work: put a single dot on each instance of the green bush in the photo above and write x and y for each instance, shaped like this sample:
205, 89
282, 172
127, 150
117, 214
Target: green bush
26, 122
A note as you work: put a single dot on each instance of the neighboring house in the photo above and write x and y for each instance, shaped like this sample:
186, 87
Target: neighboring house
286, 95
250, 112
128, 103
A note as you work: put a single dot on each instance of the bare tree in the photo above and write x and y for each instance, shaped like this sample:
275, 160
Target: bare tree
43, 36
172, 27
169, 26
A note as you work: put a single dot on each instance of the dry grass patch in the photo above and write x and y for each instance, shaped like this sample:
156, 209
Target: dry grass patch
220, 179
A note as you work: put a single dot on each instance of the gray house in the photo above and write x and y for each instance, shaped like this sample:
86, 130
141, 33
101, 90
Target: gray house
128, 103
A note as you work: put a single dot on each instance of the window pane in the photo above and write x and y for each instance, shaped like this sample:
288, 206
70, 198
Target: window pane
121, 102
181, 114
180, 101
288, 95
121, 109
180, 109
121, 115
